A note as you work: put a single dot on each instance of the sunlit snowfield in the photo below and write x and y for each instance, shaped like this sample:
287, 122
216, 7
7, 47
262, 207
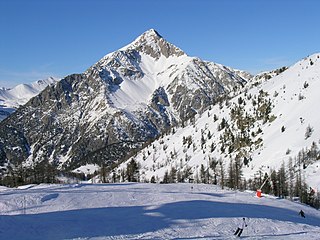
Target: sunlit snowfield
148, 211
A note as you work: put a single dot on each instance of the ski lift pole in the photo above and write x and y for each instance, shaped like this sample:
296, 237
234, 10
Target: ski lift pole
259, 191
24, 203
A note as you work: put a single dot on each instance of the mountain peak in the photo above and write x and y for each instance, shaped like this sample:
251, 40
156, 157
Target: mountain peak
151, 33
148, 36
153, 44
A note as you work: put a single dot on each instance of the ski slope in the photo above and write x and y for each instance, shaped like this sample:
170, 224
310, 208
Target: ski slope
148, 211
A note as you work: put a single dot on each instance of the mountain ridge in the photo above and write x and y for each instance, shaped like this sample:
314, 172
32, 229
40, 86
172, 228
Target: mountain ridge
12, 98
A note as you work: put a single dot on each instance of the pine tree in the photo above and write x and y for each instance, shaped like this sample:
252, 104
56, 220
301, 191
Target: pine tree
213, 166
203, 174
290, 179
274, 183
237, 173
173, 175
203, 141
282, 181
132, 171
187, 173
222, 173
231, 180
166, 177
153, 179
103, 173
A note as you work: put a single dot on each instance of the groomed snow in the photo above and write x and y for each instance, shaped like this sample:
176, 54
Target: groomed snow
148, 211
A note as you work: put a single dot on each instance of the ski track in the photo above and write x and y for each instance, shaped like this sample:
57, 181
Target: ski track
149, 211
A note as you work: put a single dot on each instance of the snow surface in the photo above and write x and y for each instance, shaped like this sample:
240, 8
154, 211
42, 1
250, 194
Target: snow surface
11, 99
295, 114
87, 169
134, 93
20, 94
148, 211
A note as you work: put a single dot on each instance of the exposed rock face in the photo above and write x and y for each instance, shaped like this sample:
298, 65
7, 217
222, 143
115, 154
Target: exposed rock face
128, 97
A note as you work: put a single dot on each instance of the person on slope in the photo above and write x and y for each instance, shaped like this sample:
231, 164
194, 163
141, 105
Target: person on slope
242, 225
301, 213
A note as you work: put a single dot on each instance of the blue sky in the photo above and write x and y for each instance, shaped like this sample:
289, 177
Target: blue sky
41, 38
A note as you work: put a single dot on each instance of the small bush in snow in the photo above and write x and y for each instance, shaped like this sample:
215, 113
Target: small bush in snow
309, 131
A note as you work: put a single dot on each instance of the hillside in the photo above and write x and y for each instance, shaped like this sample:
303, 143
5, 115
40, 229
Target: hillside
272, 121
148, 211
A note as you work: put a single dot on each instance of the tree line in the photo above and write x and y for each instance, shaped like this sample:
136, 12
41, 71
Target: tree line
286, 182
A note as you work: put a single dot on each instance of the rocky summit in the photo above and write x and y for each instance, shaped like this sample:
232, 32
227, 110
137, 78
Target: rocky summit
124, 100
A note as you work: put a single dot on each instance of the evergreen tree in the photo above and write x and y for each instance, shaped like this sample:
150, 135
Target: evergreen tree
187, 173
231, 180
203, 174
282, 178
173, 175
222, 173
153, 179
213, 166
290, 179
274, 183
166, 177
132, 171
103, 173
237, 173
179, 177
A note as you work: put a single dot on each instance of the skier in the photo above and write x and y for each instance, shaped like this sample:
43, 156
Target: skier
301, 213
241, 227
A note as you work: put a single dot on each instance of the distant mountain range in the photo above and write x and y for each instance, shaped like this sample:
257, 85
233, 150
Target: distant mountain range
12, 98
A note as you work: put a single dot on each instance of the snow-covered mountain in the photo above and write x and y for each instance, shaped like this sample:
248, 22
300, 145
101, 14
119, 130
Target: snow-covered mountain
11, 99
274, 120
149, 211
127, 98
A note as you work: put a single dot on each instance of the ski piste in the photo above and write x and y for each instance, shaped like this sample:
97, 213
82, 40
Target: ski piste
148, 211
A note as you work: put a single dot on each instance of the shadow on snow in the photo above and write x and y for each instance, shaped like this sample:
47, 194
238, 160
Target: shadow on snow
114, 221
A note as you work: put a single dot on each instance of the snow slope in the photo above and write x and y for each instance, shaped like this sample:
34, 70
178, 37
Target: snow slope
148, 211
293, 95
295, 98
21, 93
